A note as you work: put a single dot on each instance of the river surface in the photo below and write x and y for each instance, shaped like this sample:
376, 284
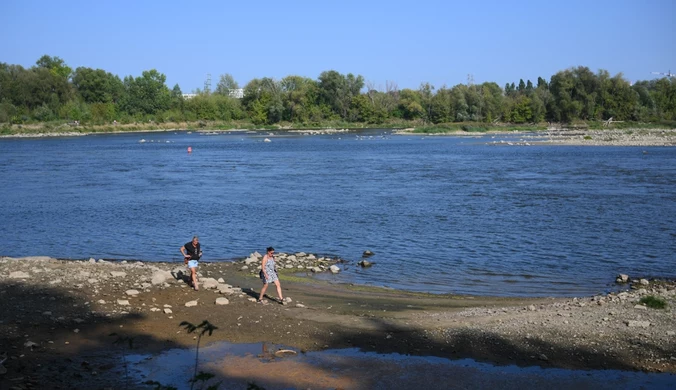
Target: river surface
441, 214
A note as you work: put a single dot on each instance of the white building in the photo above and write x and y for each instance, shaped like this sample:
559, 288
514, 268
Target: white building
234, 93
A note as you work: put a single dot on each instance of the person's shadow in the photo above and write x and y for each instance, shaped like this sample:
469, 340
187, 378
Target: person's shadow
181, 275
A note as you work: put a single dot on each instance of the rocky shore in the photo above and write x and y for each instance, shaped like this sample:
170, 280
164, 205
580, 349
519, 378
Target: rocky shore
608, 137
56, 317
575, 137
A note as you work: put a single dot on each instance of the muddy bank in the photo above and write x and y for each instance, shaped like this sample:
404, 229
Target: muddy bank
56, 318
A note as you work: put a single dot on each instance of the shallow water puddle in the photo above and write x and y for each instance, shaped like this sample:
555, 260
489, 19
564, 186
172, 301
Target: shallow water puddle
272, 367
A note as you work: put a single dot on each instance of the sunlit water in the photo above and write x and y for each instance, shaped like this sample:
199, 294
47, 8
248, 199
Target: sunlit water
442, 214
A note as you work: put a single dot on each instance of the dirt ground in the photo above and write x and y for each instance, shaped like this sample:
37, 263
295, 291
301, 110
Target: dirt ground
57, 317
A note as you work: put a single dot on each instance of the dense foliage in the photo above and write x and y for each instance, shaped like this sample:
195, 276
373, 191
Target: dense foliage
51, 90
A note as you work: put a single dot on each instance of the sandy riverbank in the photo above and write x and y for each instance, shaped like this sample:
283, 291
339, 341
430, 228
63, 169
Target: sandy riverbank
56, 317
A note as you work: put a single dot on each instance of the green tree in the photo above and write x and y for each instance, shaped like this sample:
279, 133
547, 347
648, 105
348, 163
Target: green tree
460, 107
493, 101
337, 90
522, 86
520, 111
226, 84
55, 65
426, 94
299, 97
440, 106
146, 94
97, 85
410, 104
617, 98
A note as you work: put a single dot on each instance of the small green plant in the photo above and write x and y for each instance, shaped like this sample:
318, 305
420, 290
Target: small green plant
121, 340
587, 137
203, 328
653, 302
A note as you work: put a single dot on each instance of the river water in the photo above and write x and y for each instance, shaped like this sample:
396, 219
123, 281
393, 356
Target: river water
442, 214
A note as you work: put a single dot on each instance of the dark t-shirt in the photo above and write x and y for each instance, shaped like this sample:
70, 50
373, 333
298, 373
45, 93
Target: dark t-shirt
193, 251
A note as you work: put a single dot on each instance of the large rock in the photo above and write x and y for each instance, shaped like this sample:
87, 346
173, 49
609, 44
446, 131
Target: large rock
222, 301
209, 283
365, 263
225, 288
251, 260
622, 278
123, 302
132, 293
118, 274
19, 275
334, 269
160, 277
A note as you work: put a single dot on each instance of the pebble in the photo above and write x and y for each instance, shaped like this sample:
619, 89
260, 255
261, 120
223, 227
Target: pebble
132, 293
191, 303
637, 324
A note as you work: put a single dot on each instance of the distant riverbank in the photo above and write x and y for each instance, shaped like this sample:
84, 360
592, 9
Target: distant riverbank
642, 135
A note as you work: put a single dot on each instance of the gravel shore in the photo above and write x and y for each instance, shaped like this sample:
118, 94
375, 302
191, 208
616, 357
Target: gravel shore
56, 317
576, 137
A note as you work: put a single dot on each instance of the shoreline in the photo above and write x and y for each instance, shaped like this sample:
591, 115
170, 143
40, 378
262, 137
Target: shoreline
571, 137
551, 136
57, 314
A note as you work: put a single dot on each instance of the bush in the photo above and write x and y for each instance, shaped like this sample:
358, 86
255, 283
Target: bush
43, 113
653, 302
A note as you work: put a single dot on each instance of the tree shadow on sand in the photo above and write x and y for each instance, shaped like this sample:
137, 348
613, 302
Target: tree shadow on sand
54, 341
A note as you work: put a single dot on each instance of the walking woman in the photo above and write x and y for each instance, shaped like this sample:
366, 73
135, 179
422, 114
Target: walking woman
269, 275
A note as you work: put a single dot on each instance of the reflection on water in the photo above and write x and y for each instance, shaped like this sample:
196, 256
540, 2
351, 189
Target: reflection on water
442, 214
238, 364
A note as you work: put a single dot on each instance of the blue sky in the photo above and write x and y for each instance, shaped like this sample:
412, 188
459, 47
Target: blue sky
406, 42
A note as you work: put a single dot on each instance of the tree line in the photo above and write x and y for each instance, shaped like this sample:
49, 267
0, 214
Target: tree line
51, 90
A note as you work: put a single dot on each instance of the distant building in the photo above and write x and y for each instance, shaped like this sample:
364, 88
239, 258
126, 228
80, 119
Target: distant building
234, 93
